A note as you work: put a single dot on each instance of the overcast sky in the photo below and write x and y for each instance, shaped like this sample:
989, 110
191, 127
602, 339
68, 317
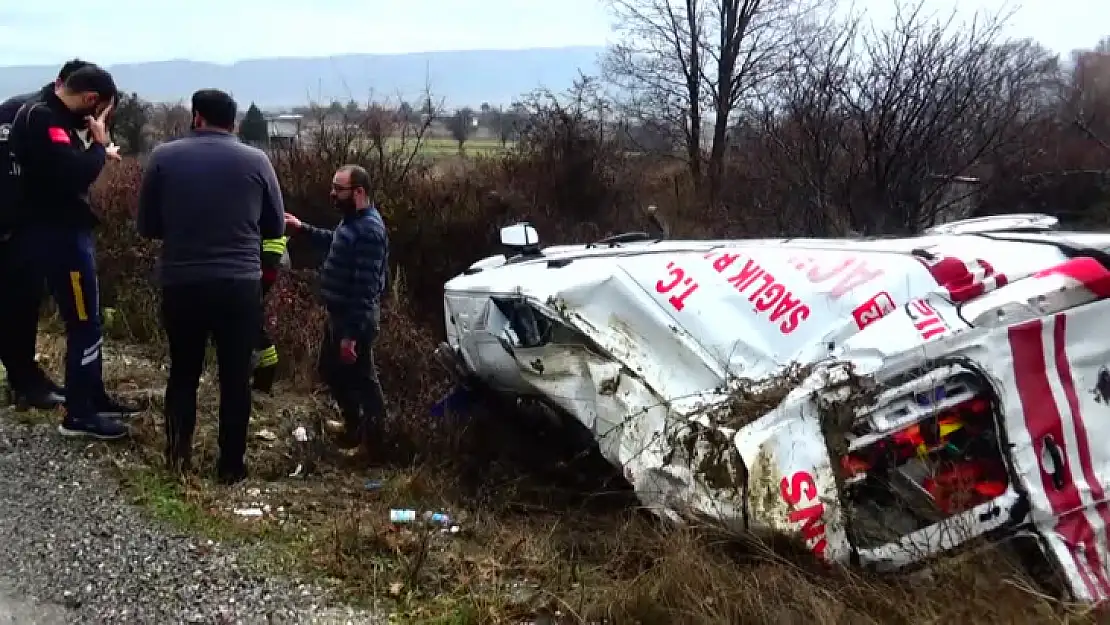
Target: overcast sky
226, 31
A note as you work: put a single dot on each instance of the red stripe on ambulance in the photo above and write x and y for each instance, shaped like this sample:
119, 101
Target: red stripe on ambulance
1044, 422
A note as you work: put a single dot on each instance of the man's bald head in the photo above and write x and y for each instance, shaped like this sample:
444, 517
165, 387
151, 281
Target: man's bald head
357, 177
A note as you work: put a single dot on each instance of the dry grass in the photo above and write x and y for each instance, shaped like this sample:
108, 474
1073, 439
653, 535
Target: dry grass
526, 546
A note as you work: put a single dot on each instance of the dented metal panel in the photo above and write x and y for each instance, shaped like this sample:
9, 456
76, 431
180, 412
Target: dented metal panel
1058, 424
766, 383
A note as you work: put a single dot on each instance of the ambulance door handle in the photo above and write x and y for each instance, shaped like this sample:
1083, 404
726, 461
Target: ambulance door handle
1049, 445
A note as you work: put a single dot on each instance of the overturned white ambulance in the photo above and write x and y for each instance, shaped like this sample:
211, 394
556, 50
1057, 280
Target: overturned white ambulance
886, 400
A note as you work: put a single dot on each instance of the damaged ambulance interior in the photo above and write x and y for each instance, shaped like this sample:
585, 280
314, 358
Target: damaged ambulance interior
924, 467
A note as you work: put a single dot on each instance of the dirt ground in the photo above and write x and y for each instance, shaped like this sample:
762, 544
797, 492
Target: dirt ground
518, 547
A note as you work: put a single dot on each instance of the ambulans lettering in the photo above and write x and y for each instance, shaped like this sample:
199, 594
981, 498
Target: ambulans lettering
767, 294
926, 319
800, 493
849, 272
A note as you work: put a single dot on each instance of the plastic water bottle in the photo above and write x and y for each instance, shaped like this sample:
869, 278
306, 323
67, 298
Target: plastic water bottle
437, 518
410, 516
402, 516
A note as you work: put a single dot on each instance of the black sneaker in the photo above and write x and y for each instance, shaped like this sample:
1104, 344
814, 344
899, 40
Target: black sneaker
41, 400
94, 426
108, 408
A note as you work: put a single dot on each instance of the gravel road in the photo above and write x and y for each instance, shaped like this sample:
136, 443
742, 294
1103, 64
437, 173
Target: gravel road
74, 551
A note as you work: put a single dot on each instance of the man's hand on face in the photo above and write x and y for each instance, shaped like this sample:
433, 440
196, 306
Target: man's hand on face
98, 126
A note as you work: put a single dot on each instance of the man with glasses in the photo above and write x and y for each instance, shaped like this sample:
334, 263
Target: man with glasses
353, 280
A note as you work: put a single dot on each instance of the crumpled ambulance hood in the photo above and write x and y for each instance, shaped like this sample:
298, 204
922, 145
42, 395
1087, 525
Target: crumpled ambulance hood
642, 341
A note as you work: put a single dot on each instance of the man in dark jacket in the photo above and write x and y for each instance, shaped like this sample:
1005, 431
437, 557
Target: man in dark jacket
212, 200
353, 280
19, 316
53, 231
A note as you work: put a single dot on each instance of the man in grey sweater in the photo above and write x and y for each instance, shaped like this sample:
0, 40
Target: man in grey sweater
211, 200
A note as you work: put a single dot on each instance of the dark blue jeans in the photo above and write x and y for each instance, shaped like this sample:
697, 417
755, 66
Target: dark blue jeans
66, 259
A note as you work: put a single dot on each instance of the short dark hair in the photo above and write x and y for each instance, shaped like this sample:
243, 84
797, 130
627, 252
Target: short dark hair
360, 178
92, 78
71, 66
217, 108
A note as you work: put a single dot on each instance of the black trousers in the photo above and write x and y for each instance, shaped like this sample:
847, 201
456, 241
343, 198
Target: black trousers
23, 292
228, 312
355, 387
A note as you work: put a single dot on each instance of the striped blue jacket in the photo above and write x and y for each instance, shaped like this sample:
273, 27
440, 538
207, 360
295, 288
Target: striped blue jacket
354, 275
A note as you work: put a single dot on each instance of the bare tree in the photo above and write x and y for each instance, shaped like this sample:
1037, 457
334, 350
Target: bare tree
877, 126
686, 63
1087, 92
1063, 168
379, 136
170, 121
659, 66
803, 141
755, 39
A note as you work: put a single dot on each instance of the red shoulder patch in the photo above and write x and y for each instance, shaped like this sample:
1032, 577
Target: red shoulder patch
58, 135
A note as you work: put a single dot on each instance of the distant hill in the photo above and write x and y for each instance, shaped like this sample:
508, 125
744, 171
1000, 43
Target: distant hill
464, 78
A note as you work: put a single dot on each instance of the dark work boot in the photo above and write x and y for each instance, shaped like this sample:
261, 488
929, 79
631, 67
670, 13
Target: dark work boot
264, 379
350, 436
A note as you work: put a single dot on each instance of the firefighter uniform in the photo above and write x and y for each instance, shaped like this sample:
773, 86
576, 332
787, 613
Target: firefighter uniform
275, 257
